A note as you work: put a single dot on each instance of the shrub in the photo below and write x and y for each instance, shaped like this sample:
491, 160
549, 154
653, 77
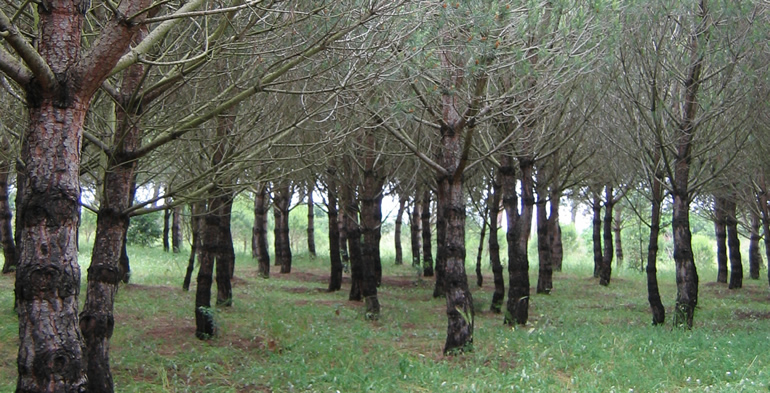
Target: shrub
146, 229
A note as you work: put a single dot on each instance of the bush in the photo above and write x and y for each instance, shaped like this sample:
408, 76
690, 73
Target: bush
703, 249
146, 229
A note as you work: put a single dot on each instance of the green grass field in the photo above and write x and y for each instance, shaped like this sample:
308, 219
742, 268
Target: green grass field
286, 334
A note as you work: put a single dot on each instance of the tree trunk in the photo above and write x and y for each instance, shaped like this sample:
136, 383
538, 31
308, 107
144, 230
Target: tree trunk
596, 206
335, 278
441, 246
545, 268
6, 229
196, 222
282, 246
259, 231
517, 309
124, 262
371, 219
526, 165
166, 228
686, 272
310, 220
720, 230
755, 257
343, 230
106, 270
397, 232
617, 228
415, 228
480, 251
653, 293
494, 246
225, 257
176, 230
734, 245
205, 327
765, 211
606, 269
350, 216
554, 230
427, 244
460, 312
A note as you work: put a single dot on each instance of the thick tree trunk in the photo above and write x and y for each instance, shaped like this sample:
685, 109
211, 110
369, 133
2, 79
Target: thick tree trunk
196, 221
596, 206
765, 211
480, 250
225, 257
415, 229
397, 232
617, 228
335, 278
605, 273
545, 268
686, 272
109, 259
720, 230
310, 220
205, 327
517, 309
371, 219
176, 229
554, 230
427, 244
282, 246
259, 231
653, 293
460, 312
734, 245
441, 247
343, 230
494, 246
166, 228
526, 165
755, 257
6, 228
349, 206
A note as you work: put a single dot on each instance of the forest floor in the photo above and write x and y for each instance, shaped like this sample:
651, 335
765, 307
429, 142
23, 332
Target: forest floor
287, 334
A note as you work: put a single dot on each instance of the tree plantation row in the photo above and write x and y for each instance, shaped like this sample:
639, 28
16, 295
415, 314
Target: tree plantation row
514, 105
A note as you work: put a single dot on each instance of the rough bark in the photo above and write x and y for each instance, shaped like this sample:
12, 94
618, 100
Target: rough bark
415, 229
755, 257
480, 250
526, 165
653, 292
596, 207
349, 205
517, 308
686, 272
720, 230
545, 268
176, 230
205, 327
6, 228
335, 278
427, 244
259, 231
617, 228
282, 243
196, 222
166, 229
494, 246
441, 247
397, 232
734, 245
762, 199
225, 257
310, 220
605, 273
371, 218
554, 230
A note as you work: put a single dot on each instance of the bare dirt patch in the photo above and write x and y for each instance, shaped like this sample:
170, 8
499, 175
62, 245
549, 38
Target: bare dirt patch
755, 315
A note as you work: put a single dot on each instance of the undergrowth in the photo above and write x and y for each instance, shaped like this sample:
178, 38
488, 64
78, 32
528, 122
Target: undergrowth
286, 334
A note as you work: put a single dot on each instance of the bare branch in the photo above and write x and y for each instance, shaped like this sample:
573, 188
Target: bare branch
37, 65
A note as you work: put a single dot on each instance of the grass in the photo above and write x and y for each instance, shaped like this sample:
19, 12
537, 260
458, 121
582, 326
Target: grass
286, 334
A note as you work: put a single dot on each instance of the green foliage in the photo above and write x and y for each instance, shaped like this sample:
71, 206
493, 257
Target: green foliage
703, 250
145, 230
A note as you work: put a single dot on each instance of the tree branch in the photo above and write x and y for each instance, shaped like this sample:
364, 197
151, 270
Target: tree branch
37, 65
